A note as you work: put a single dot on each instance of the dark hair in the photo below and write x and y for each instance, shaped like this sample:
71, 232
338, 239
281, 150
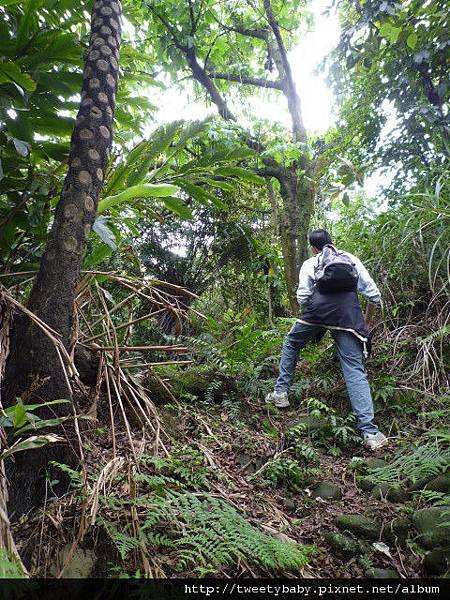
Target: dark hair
319, 238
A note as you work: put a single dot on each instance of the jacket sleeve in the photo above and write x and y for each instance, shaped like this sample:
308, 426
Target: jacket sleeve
305, 282
366, 285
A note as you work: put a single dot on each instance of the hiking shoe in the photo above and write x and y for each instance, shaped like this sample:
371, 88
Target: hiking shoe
374, 441
279, 399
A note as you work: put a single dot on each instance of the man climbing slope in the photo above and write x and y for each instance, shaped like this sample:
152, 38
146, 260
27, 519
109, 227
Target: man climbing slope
328, 286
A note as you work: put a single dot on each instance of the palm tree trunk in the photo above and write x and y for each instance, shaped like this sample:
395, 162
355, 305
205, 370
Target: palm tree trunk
33, 368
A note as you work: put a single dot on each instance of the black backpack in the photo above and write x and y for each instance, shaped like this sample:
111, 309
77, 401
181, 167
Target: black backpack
335, 272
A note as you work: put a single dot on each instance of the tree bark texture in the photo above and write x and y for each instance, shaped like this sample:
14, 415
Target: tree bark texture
33, 368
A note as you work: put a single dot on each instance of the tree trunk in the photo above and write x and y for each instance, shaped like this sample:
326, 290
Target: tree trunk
33, 368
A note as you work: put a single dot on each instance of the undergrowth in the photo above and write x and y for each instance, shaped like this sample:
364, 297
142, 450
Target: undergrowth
429, 457
197, 532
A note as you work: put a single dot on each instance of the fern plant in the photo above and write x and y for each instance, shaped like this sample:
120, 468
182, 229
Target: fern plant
433, 498
288, 472
199, 531
208, 532
413, 463
185, 466
124, 542
332, 431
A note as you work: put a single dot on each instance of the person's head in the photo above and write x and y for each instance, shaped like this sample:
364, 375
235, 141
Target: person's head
318, 239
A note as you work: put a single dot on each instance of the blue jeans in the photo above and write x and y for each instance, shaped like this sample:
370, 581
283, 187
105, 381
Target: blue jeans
351, 358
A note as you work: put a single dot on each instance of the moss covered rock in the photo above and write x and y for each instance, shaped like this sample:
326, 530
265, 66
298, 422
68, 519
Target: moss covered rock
367, 464
377, 573
393, 492
375, 463
437, 562
327, 491
363, 483
441, 483
361, 526
433, 526
343, 543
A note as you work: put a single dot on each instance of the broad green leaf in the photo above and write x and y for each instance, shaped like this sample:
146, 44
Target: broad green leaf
96, 256
53, 125
385, 30
28, 407
395, 32
390, 32
1, 170
43, 423
25, 30
411, 40
9, 71
201, 195
240, 173
145, 190
20, 415
52, 150
178, 207
20, 127
35, 441
223, 185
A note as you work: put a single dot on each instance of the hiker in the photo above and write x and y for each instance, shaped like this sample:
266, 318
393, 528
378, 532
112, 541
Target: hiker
327, 290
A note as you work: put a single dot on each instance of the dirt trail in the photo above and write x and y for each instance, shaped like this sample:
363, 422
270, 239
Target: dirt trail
234, 442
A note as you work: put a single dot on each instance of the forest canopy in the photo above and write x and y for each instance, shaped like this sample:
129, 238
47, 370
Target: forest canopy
159, 176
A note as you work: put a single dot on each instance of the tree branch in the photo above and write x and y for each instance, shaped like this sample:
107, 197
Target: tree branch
299, 131
248, 80
201, 76
260, 34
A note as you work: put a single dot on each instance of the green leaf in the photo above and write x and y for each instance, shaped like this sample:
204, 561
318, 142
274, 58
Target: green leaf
178, 207
53, 150
240, 173
389, 32
223, 185
201, 195
43, 424
395, 32
29, 407
25, 29
270, 430
96, 256
53, 125
144, 190
20, 415
411, 40
35, 441
385, 30
9, 71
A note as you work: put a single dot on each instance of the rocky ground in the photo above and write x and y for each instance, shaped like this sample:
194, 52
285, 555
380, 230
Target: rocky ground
360, 529
357, 528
